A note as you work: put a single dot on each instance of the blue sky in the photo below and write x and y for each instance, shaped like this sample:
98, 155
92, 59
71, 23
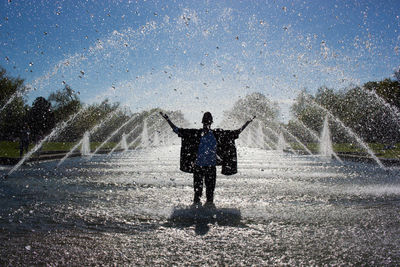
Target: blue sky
197, 55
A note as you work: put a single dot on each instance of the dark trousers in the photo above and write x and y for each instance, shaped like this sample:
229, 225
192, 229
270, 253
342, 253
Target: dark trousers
207, 175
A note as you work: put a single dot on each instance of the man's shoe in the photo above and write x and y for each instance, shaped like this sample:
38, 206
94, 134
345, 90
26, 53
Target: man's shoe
209, 205
196, 205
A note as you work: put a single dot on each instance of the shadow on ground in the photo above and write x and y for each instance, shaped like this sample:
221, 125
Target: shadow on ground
201, 218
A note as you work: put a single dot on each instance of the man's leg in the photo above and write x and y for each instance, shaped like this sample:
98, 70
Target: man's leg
197, 183
210, 179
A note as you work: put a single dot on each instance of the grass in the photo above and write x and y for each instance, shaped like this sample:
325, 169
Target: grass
11, 149
378, 149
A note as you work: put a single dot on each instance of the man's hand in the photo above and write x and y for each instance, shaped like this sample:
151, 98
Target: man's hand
165, 116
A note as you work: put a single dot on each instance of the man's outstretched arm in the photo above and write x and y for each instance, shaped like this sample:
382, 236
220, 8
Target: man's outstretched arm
245, 125
173, 126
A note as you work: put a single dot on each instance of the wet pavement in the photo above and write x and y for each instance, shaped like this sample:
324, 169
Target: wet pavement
133, 208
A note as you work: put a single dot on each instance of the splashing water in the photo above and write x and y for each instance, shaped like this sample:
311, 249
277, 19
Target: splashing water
316, 137
124, 144
53, 134
145, 135
350, 133
156, 139
91, 131
112, 135
281, 143
325, 146
85, 146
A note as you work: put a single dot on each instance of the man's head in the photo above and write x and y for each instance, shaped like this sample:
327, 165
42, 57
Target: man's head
207, 119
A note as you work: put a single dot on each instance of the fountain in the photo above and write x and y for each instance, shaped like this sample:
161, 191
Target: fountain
145, 136
59, 128
129, 134
113, 134
124, 144
325, 146
297, 140
91, 131
156, 139
133, 208
85, 147
315, 136
249, 140
260, 136
350, 133
281, 143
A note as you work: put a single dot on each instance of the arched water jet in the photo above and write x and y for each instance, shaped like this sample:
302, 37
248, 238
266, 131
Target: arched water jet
127, 135
258, 137
294, 137
393, 110
249, 140
278, 136
350, 132
164, 125
119, 144
15, 95
316, 137
281, 143
297, 140
112, 134
140, 135
58, 129
253, 140
325, 146
90, 132
269, 141
85, 147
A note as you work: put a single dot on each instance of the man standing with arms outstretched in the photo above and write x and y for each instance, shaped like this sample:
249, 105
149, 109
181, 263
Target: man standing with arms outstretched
202, 150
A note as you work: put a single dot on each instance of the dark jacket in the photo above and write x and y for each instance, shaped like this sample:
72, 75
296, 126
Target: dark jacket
226, 149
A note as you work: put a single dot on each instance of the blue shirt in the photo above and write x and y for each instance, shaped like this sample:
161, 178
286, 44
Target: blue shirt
207, 152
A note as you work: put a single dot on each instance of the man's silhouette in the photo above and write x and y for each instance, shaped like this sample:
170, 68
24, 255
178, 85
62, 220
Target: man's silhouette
203, 149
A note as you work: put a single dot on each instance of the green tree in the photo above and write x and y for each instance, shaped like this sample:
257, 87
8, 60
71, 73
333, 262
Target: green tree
65, 102
255, 104
304, 110
12, 106
41, 118
388, 89
355, 107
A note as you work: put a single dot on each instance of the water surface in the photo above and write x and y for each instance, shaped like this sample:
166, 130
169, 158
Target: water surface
133, 208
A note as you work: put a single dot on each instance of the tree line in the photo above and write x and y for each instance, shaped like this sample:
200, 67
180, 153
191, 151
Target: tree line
40, 118
370, 110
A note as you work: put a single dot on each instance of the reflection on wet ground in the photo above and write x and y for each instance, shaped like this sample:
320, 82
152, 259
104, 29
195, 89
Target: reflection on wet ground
133, 208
